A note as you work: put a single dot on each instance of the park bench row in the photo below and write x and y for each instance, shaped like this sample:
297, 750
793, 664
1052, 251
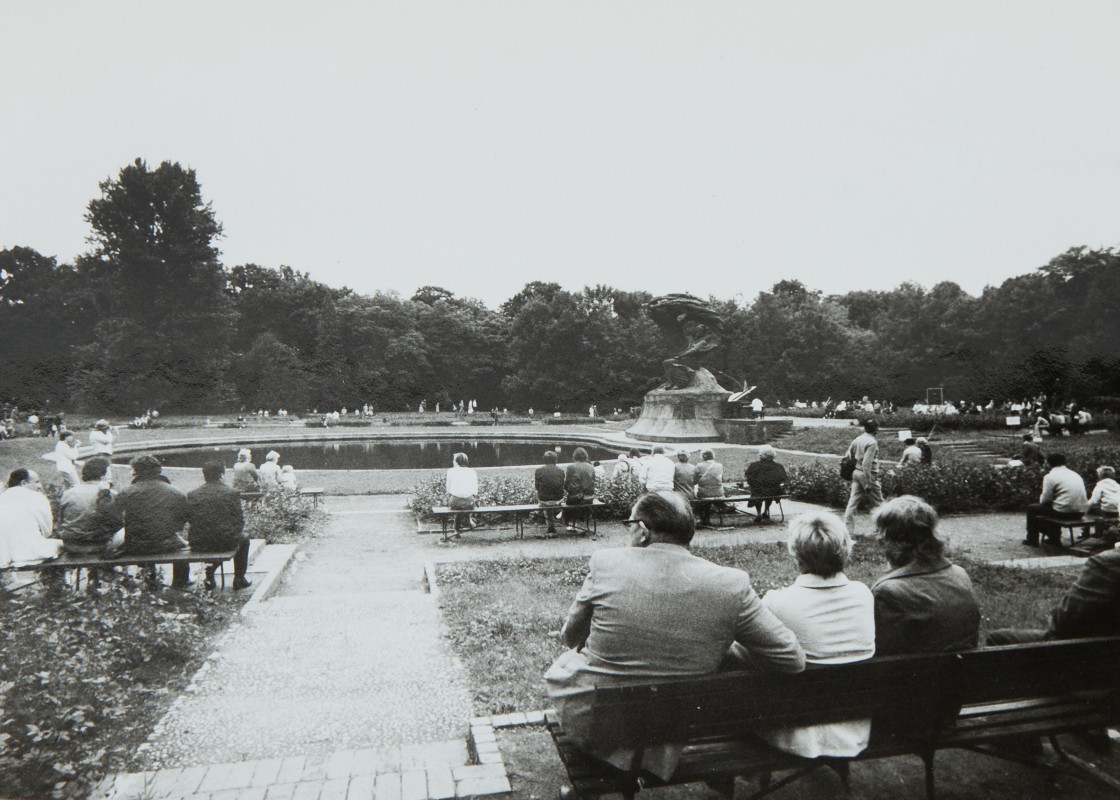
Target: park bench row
520, 512
988, 700
76, 562
314, 493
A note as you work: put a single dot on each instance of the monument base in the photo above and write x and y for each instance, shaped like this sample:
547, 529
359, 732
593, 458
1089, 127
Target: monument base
682, 415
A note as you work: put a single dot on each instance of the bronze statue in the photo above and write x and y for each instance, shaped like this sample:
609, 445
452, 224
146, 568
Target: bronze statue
690, 324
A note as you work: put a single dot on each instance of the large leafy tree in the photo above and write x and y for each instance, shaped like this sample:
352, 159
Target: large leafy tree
43, 314
159, 293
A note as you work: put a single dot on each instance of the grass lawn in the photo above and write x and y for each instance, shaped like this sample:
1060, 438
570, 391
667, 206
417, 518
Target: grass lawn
505, 616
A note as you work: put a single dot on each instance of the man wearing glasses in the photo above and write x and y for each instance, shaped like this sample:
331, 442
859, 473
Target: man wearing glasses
653, 611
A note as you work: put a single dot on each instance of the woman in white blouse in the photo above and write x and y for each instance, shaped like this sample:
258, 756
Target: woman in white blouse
834, 620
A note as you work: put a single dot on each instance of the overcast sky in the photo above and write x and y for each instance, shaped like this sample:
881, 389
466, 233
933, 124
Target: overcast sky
686, 146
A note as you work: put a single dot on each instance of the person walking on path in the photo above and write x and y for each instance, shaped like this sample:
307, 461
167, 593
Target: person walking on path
865, 480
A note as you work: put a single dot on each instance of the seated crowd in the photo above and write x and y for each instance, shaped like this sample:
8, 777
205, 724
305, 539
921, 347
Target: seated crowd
149, 517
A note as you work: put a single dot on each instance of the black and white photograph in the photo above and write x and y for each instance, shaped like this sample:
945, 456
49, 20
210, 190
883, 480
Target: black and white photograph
521, 399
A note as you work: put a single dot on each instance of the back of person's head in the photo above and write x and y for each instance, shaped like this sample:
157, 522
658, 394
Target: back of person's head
244, 454
272, 456
1106, 472
923, 440
549, 457
635, 452
95, 469
102, 425
461, 459
288, 469
682, 456
666, 514
1028, 437
766, 453
579, 454
1056, 460
212, 471
820, 543
908, 525
707, 454
657, 449
64, 435
18, 476
146, 466
871, 426
909, 441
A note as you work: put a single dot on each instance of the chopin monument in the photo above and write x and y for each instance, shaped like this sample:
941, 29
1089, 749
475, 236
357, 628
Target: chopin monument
686, 406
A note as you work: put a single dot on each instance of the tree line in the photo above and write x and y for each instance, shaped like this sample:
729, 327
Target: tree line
151, 317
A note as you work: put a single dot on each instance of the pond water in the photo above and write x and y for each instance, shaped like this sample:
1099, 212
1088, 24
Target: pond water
382, 454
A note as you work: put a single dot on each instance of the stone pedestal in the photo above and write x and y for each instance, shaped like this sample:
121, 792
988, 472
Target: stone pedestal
682, 415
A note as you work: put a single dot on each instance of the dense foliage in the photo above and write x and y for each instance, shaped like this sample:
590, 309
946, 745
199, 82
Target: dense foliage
151, 317
283, 517
83, 677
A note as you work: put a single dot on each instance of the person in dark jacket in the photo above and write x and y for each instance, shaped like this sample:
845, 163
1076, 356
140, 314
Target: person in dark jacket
925, 604
765, 477
217, 523
1091, 607
549, 482
579, 488
154, 513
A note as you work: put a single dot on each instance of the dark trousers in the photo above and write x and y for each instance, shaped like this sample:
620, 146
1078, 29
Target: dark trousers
1036, 527
551, 512
572, 516
240, 562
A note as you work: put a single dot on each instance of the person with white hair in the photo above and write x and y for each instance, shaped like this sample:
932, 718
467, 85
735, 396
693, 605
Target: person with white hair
288, 480
269, 473
26, 521
245, 477
766, 479
833, 619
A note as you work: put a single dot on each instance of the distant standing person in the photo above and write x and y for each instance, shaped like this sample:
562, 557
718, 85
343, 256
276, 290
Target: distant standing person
102, 437
684, 475
579, 488
269, 474
217, 523
865, 481
462, 488
245, 473
66, 458
549, 483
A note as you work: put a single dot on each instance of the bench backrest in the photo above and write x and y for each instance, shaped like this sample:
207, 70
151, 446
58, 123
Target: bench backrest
918, 690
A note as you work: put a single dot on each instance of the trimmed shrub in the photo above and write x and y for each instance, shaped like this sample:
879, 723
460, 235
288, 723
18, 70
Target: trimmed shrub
283, 517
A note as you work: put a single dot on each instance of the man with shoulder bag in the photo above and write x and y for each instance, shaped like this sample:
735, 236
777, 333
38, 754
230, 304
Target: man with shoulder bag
863, 453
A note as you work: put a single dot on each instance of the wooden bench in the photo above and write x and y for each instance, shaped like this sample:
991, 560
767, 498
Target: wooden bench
446, 514
1006, 696
1084, 523
720, 504
314, 493
78, 562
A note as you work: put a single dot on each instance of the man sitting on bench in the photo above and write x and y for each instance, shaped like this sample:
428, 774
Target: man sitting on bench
1063, 496
85, 524
154, 514
217, 523
652, 611
25, 521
